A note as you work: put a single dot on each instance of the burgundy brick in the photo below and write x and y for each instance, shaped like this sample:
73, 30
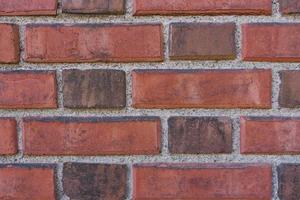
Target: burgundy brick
8, 135
271, 42
94, 89
9, 43
289, 96
202, 88
203, 7
94, 6
270, 135
195, 135
289, 6
203, 41
89, 137
200, 181
28, 7
95, 181
93, 43
28, 89
289, 181
24, 182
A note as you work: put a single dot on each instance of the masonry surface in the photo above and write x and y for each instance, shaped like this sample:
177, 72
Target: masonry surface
149, 99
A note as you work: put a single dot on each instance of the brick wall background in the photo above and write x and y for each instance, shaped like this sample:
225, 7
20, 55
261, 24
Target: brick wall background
161, 100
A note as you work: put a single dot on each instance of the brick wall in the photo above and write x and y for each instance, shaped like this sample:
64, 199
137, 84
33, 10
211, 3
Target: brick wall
149, 99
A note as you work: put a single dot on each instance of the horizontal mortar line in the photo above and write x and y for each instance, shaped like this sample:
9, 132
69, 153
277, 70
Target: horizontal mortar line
157, 159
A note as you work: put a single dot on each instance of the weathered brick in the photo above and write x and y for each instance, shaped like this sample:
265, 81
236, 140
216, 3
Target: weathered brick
97, 136
94, 89
272, 42
94, 6
289, 181
200, 181
93, 43
95, 181
270, 135
9, 43
8, 135
193, 135
289, 6
289, 96
23, 182
203, 7
28, 7
28, 89
202, 88
203, 41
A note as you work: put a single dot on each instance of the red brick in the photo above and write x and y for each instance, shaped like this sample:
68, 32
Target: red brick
72, 136
203, 7
25, 182
270, 135
9, 43
8, 135
202, 41
93, 43
288, 181
289, 6
28, 89
289, 96
28, 7
202, 89
202, 181
273, 42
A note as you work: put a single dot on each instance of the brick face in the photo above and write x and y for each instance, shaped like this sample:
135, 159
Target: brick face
192, 135
270, 135
202, 41
202, 89
289, 181
26, 182
272, 42
28, 7
202, 181
204, 7
92, 43
289, 96
74, 136
8, 135
289, 6
9, 43
94, 89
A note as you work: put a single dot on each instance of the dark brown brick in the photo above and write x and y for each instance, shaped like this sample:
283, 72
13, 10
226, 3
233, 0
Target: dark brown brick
200, 135
94, 89
94, 6
95, 181
289, 6
289, 96
289, 181
203, 41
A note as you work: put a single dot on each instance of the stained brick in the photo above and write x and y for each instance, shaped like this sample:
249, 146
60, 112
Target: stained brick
289, 181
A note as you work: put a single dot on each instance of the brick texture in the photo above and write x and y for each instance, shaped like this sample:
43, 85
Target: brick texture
270, 135
8, 135
73, 136
91, 43
27, 7
94, 6
202, 41
214, 182
94, 89
289, 96
203, 7
25, 182
9, 43
95, 181
28, 89
202, 89
289, 6
272, 42
289, 181
195, 135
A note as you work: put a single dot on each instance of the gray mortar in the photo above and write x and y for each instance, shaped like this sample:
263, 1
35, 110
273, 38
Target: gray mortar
165, 156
